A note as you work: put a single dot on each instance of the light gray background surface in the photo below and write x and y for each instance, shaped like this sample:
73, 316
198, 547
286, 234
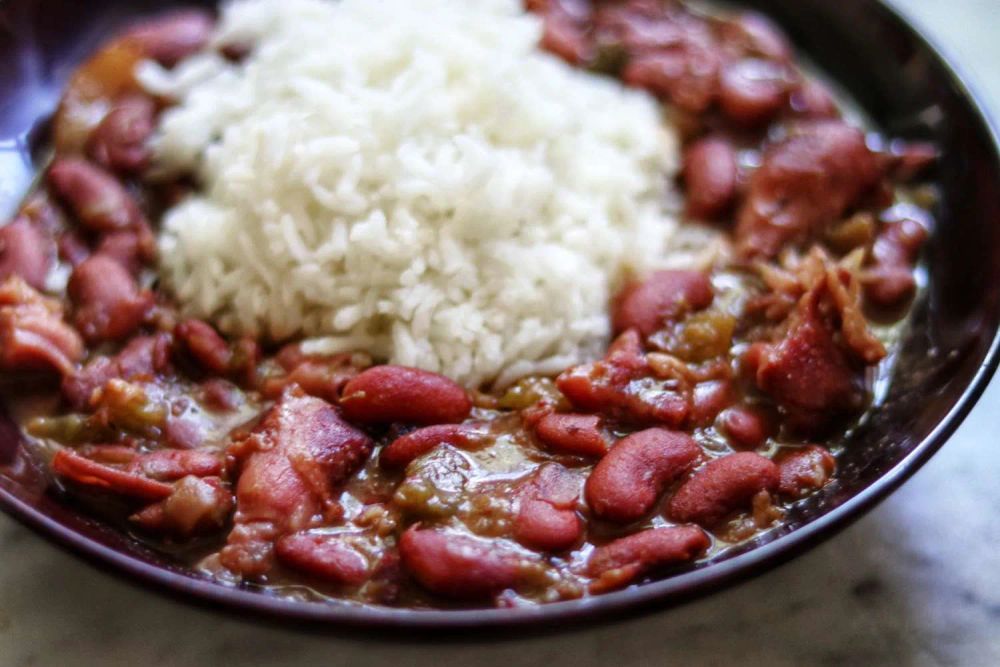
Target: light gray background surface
916, 582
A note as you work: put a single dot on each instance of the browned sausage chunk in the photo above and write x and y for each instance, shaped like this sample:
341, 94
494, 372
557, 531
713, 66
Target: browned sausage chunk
625, 485
723, 486
33, 336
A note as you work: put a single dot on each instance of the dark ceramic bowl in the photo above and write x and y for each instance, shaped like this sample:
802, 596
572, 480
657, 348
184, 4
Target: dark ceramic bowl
945, 363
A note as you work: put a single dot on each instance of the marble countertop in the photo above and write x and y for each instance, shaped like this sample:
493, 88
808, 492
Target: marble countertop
916, 582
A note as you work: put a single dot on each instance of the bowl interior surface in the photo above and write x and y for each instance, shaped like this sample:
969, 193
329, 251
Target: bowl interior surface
945, 360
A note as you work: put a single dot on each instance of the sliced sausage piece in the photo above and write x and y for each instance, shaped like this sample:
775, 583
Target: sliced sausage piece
710, 177
173, 36
665, 295
804, 183
119, 142
109, 304
622, 561
143, 356
547, 519
722, 487
625, 485
325, 556
25, 252
576, 435
405, 448
96, 197
804, 470
33, 336
291, 465
196, 506
89, 473
460, 566
386, 394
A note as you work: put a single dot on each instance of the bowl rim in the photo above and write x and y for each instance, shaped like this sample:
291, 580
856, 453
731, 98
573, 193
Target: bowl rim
558, 615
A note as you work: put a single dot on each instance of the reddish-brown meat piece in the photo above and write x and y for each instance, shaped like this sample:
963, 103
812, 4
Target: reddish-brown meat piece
33, 336
808, 374
119, 142
385, 394
405, 448
576, 435
665, 295
143, 357
804, 470
167, 465
326, 556
622, 561
291, 465
621, 386
807, 181
109, 304
25, 252
547, 519
710, 177
95, 196
460, 566
89, 473
195, 506
723, 486
625, 485
174, 36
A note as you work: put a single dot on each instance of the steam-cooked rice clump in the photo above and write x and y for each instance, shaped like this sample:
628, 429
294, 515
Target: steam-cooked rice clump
409, 177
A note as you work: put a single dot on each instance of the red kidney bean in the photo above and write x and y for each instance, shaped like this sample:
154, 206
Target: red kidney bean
625, 485
899, 242
119, 142
73, 248
812, 99
746, 427
205, 344
753, 34
722, 487
664, 295
889, 286
546, 519
564, 36
911, 158
142, 356
174, 36
405, 448
620, 562
459, 566
131, 248
26, 252
385, 394
804, 470
181, 432
325, 556
708, 400
577, 435
688, 77
710, 177
98, 200
753, 91
109, 303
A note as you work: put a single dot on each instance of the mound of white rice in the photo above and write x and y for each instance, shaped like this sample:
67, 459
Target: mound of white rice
413, 178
